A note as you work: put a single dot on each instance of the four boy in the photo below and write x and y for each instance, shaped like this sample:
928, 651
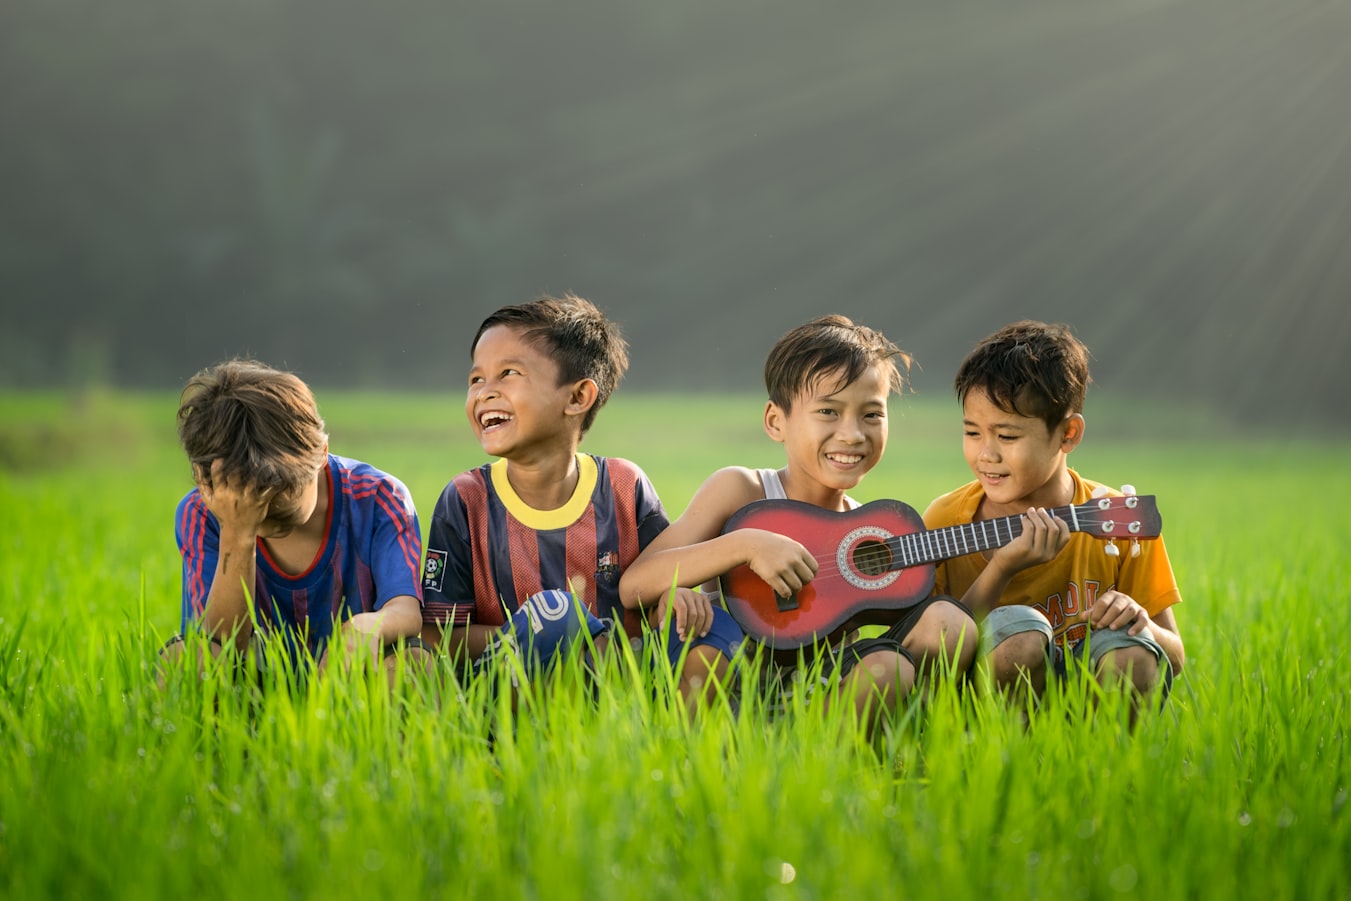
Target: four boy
547, 546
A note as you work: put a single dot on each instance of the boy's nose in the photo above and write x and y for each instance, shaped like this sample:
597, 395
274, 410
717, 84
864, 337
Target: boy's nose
850, 430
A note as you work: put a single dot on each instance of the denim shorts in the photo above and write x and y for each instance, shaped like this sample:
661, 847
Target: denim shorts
1003, 623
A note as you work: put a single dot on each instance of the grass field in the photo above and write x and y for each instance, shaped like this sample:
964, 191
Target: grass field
111, 788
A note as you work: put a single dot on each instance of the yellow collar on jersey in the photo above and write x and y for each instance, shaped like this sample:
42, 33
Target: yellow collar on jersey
544, 520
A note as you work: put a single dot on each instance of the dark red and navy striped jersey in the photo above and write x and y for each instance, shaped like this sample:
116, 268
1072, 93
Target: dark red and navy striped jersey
488, 551
371, 552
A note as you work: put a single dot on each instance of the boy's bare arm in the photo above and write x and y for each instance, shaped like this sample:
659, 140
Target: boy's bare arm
1043, 537
240, 510
399, 617
1165, 632
693, 549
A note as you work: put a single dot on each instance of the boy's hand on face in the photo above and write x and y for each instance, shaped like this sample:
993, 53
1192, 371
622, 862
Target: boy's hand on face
783, 564
1043, 537
1114, 610
236, 504
691, 610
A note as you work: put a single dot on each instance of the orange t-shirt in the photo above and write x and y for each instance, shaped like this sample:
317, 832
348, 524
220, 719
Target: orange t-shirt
1064, 587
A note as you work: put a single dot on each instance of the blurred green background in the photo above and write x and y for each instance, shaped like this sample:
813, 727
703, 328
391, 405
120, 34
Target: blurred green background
347, 188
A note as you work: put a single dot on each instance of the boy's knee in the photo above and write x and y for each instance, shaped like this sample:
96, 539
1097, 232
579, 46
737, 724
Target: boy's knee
957, 626
888, 671
706, 659
172, 651
1136, 665
1021, 655
944, 628
703, 665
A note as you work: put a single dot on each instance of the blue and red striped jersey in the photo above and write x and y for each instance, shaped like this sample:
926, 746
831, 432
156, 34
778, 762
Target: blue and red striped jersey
488, 551
371, 552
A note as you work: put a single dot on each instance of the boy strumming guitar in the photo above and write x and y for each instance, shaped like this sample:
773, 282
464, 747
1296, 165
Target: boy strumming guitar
829, 381
1040, 596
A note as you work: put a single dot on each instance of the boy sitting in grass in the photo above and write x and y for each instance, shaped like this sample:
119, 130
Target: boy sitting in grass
515, 544
281, 534
1039, 597
829, 382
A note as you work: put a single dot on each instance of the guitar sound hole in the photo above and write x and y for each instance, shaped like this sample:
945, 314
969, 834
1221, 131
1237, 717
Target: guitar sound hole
872, 558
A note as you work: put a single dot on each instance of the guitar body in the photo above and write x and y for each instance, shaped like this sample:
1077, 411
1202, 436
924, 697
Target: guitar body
858, 580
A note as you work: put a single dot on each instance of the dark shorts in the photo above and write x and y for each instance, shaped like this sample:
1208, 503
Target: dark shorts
911, 616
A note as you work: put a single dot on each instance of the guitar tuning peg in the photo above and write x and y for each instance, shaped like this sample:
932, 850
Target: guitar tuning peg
1128, 489
1135, 547
1100, 491
1111, 549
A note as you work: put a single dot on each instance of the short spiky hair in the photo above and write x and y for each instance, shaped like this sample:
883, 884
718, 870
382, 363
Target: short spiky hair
827, 346
1029, 368
576, 335
262, 423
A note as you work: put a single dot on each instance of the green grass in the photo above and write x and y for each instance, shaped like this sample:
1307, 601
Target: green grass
111, 788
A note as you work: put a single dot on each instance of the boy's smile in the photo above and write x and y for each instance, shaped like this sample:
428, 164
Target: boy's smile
1017, 460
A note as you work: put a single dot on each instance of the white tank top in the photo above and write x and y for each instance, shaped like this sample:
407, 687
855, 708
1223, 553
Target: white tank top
773, 485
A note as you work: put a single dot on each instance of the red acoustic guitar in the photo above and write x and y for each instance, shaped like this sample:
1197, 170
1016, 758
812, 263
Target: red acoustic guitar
879, 558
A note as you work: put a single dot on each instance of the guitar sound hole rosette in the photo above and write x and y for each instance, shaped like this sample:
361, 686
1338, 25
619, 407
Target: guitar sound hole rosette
865, 559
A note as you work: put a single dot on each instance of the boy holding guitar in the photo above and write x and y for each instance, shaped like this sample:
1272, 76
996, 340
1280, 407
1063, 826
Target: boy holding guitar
1040, 595
829, 382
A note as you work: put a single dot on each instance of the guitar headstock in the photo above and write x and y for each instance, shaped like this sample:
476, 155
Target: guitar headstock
1129, 516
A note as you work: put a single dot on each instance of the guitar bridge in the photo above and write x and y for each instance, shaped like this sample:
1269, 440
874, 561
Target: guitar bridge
786, 602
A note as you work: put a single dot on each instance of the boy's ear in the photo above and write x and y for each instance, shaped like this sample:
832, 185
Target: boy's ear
774, 421
582, 397
1073, 432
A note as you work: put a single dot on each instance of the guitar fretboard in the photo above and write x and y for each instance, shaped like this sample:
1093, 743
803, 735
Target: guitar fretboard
973, 537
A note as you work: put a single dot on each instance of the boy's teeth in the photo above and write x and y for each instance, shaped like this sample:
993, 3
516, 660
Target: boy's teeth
847, 458
488, 420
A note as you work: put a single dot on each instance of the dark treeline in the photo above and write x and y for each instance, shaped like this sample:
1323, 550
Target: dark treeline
346, 188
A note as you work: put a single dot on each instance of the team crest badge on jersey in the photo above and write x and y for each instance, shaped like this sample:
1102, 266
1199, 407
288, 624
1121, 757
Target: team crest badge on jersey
607, 566
434, 570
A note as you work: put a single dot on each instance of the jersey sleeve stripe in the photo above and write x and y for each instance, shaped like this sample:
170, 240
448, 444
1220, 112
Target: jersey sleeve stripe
395, 509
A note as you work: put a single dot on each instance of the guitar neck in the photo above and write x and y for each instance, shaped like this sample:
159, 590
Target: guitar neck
968, 538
